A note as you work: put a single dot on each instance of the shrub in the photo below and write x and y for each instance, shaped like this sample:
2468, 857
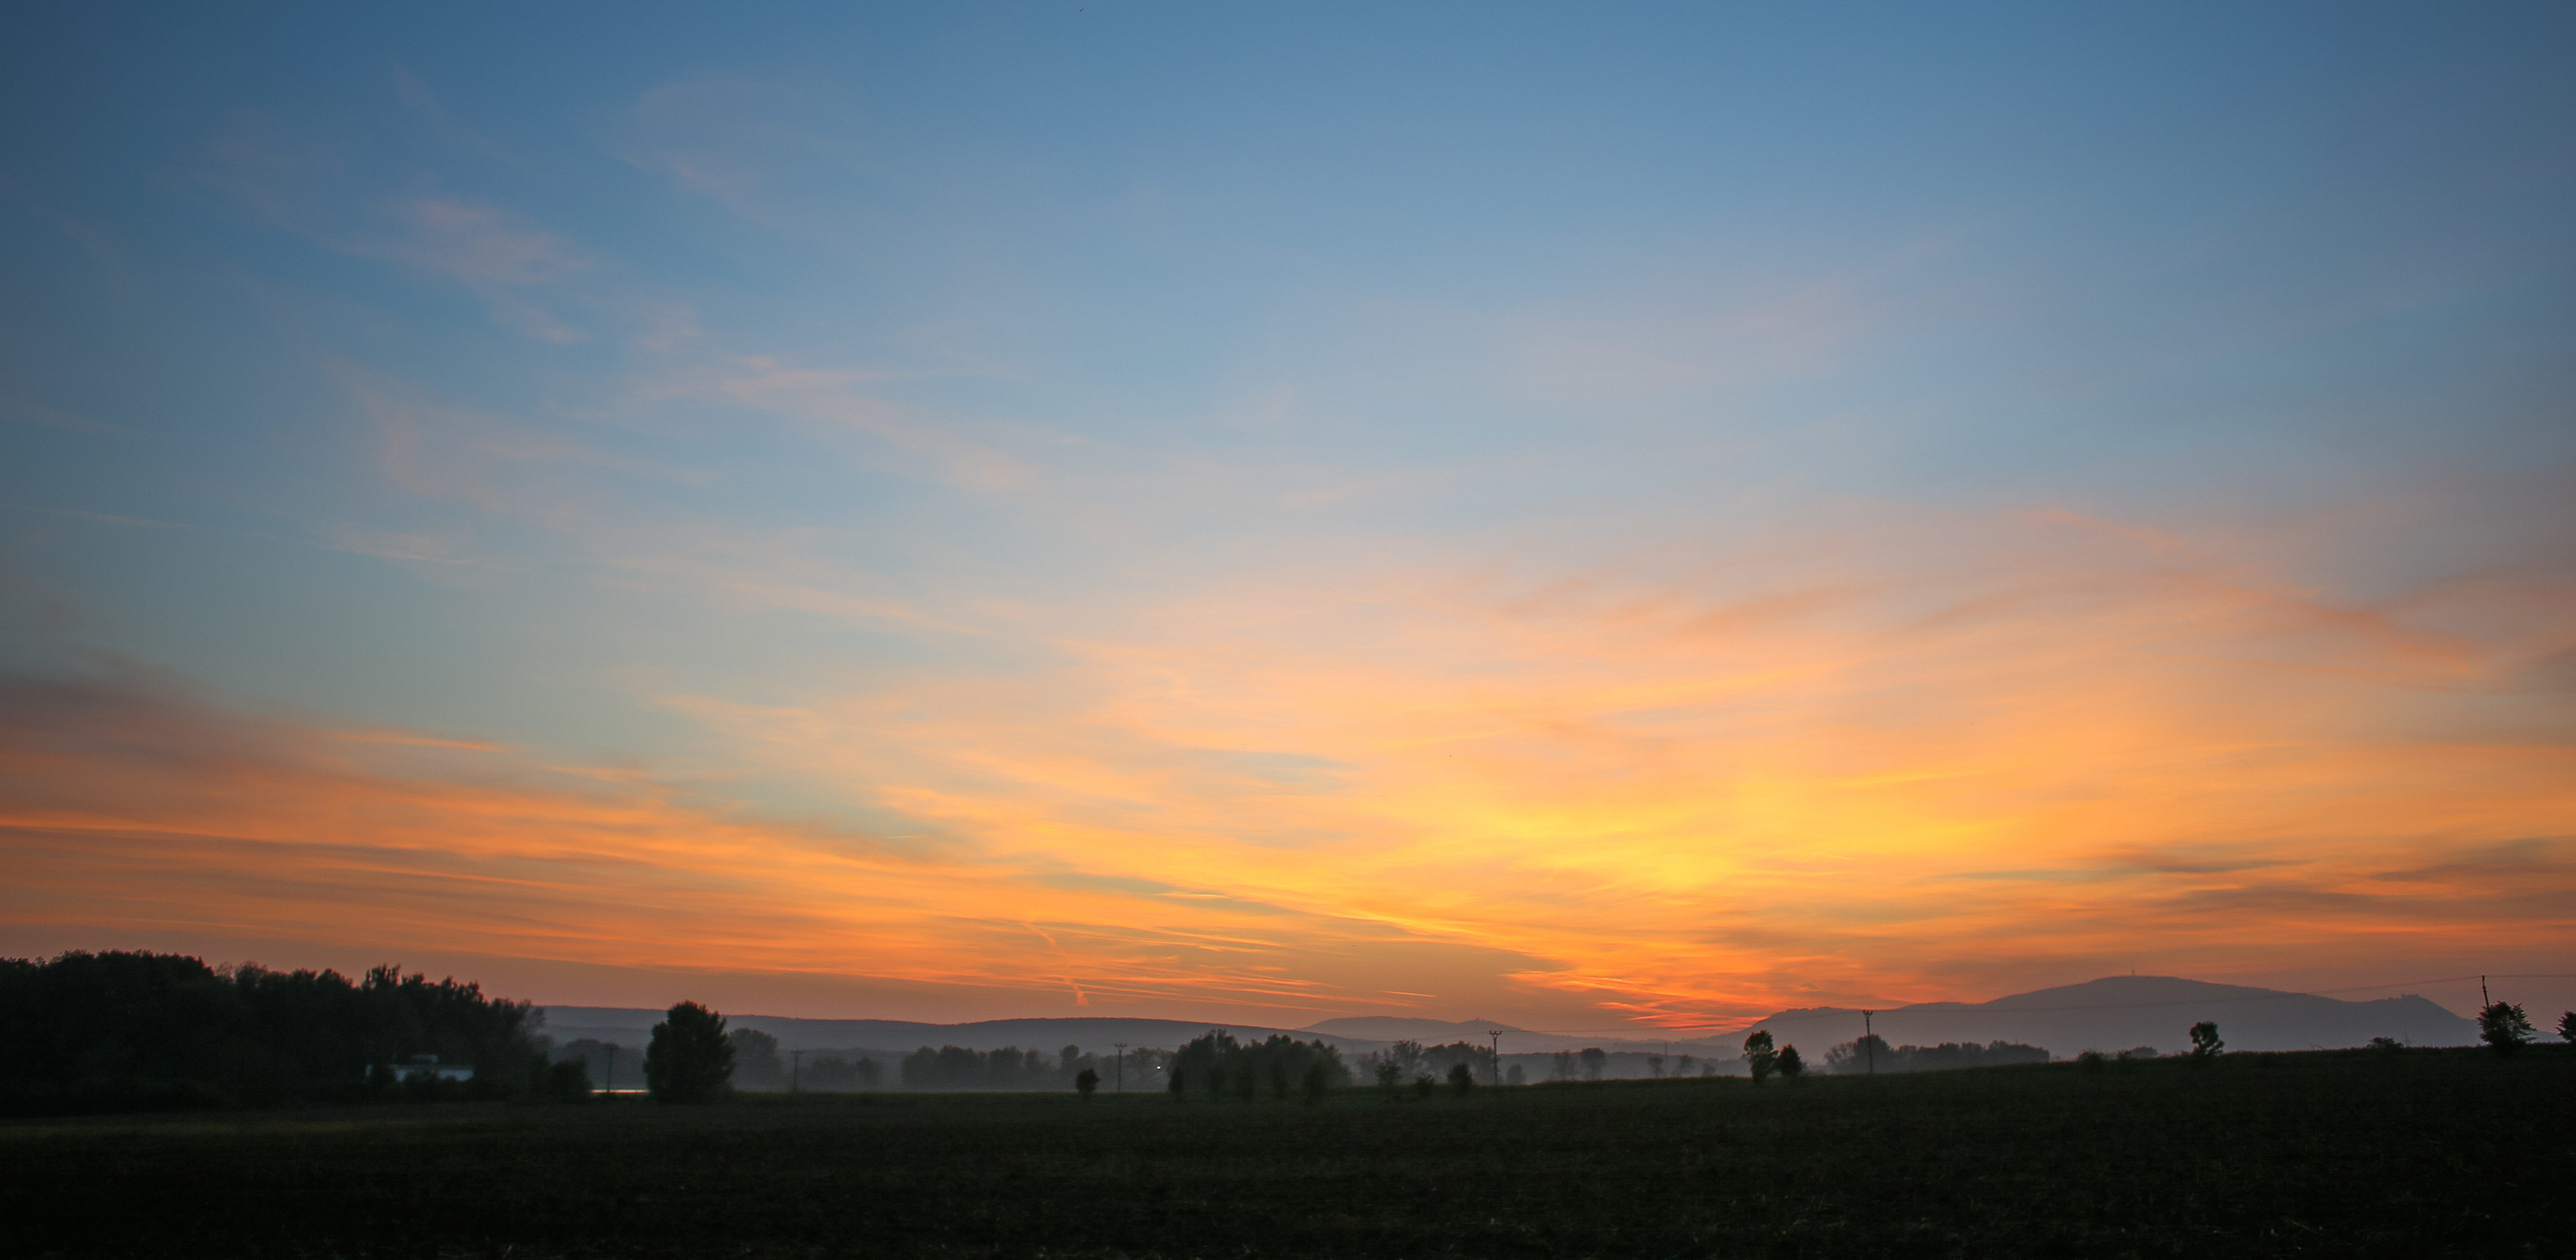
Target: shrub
1424, 1087
2205, 1043
1318, 1079
2091, 1061
1085, 1082
2505, 1027
1462, 1079
1791, 1065
2387, 1047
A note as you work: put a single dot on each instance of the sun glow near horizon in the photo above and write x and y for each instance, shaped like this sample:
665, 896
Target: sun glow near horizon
919, 522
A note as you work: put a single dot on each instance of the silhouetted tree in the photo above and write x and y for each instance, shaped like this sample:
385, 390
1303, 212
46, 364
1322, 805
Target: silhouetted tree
1561, 1067
2205, 1044
1515, 1076
1860, 1056
1791, 1065
1424, 1086
1087, 1081
834, 1074
567, 1081
1390, 1078
2567, 1026
1594, 1059
690, 1060
2504, 1027
1316, 1081
1759, 1056
1462, 1079
1177, 1095
756, 1064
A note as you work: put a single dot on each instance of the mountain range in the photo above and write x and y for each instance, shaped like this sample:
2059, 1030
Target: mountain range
2110, 1014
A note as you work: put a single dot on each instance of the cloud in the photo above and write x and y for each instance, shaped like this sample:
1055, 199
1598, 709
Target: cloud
275, 174
132, 802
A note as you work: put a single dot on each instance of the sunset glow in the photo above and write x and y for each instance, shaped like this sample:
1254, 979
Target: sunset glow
1167, 513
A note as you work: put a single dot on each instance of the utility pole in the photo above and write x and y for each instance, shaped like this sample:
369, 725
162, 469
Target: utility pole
795, 1071
1122, 1065
1497, 1035
1869, 1040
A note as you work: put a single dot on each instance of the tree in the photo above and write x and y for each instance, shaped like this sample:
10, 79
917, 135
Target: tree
1085, 1082
1517, 1076
2385, 1046
1759, 1055
2504, 1027
2567, 1026
1177, 1082
1390, 1078
1594, 1059
1790, 1064
755, 1059
2205, 1044
1318, 1079
690, 1060
1462, 1079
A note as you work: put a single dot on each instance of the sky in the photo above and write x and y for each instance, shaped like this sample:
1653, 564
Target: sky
1600, 517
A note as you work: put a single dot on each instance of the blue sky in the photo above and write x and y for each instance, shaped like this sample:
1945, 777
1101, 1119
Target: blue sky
985, 435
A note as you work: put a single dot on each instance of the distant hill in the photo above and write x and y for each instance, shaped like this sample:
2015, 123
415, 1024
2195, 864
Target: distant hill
1398, 1028
2121, 1012
632, 1026
2110, 1014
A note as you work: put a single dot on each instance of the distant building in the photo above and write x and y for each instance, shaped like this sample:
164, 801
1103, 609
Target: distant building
427, 1067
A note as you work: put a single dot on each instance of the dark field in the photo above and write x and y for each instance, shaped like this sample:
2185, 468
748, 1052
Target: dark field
2429, 1153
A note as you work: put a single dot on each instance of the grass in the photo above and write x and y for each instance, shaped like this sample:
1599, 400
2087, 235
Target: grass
2425, 1153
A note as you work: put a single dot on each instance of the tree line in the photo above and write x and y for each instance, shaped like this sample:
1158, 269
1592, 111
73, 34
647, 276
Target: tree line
1273, 1067
132, 1030
1873, 1054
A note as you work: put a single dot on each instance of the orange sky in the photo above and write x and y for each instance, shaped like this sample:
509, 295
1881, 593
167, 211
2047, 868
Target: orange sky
2039, 749
1609, 518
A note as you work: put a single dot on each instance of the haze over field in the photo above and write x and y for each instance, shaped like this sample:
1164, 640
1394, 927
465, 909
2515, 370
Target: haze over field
1622, 522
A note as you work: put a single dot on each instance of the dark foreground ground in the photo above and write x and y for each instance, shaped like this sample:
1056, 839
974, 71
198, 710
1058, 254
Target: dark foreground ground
2429, 1153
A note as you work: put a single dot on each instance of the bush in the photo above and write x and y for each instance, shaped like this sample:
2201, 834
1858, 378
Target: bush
1086, 1082
2091, 1061
1791, 1065
2504, 1027
1462, 1079
2205, 1043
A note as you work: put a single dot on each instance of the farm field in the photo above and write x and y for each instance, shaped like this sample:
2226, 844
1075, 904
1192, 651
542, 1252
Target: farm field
2425, 1153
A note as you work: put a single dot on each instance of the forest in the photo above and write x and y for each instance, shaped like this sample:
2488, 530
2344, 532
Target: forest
131, 1031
